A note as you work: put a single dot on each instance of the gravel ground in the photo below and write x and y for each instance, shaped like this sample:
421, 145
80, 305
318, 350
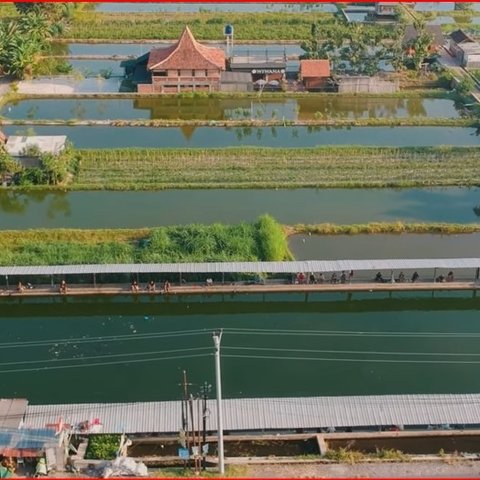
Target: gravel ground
440, 469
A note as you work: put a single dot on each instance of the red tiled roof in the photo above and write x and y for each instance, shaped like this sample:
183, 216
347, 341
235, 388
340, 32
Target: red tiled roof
185, 55
314, 68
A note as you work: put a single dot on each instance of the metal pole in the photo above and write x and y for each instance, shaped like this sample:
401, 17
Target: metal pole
217, 336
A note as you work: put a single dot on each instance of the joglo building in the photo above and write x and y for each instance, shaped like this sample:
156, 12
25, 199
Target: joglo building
189, 66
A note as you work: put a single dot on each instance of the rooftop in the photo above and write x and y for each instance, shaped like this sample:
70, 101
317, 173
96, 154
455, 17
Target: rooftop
12, 411
248, 267
17, 145
187, 53
459, 36
434, 30
314, 68
272, 413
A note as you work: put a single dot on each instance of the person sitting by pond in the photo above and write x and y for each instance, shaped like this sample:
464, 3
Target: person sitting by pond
450, 277
63, 287
333, 278
415, 277
321, 278
350, 276
343, 278
20, 287
312, 278
135, 288
440, 279
300, 278
379, 277
151, 286
401, 278
166, 287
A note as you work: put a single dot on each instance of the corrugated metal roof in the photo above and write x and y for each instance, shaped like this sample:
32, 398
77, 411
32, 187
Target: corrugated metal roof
248, 267
26, 439
273, 413
12, 411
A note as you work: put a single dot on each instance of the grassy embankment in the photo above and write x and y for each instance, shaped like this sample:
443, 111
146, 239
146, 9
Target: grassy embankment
262, 240
394, 228
250, 167
204, 25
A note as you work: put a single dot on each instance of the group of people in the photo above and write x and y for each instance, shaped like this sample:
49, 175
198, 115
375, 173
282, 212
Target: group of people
400, 279
443, 278
151, 287
415, 278
302, 279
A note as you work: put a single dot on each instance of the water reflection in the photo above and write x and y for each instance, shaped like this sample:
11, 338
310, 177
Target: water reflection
139, 209
301, 109
57, 205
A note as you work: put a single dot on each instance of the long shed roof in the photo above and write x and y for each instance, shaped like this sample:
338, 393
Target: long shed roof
272, 413
12, 411
247, 267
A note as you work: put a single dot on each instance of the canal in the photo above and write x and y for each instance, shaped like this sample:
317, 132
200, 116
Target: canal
122, 349
357, 247
302, 109
217, 137
21, 210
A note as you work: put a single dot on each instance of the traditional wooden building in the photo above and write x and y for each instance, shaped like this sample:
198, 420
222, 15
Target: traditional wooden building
315, 74
186, 66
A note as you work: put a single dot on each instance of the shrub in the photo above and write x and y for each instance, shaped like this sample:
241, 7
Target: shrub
102, 447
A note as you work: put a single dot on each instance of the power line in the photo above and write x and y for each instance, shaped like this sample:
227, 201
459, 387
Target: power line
111, 338
101, 364
95, 357
354, 360
248, 331
360, 352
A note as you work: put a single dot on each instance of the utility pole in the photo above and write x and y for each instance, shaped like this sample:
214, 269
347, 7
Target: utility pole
205, 389
217, 337
185, 422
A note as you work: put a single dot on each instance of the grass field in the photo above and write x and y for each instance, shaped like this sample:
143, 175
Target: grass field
262, 240
272, 26
150, 169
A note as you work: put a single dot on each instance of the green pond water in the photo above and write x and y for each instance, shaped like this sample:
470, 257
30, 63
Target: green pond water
367, 343
170, 207
230, 109
213, 137
357, 247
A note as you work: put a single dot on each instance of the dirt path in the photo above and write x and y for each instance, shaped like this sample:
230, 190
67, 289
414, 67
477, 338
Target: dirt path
439, 469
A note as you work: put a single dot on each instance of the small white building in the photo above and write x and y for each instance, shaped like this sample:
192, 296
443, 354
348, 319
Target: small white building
22, 148
470, 55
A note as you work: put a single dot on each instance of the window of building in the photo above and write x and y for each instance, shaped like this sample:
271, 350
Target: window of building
206, 73
193, 73
179, 73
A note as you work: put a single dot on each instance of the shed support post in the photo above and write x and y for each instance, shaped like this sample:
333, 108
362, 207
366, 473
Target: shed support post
180, 278
94, 280
434, 275
477, 274
51, 280
223, 278
6, 280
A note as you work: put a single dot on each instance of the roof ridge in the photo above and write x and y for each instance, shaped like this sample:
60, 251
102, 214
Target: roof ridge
187, 34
